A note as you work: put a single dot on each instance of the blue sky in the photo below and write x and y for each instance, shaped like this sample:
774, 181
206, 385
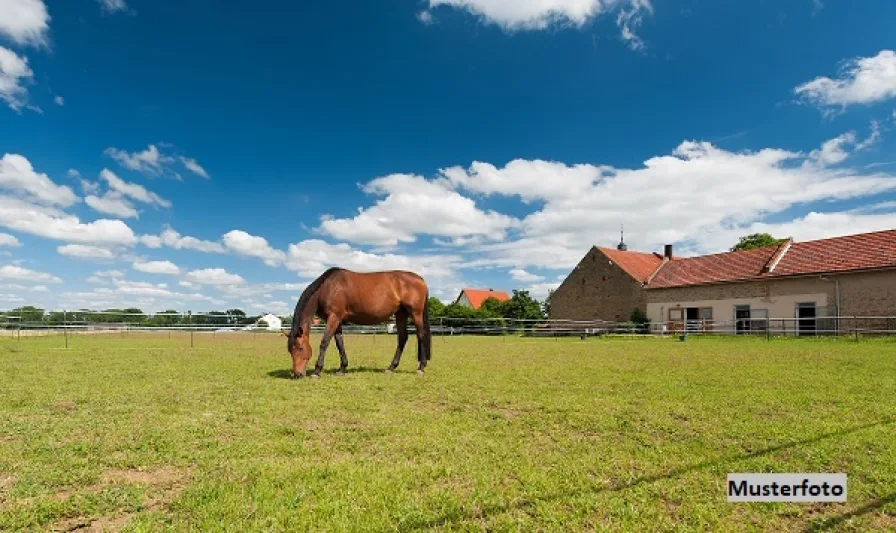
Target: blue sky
203, 155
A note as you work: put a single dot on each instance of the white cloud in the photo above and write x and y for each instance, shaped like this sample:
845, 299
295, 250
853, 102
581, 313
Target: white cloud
24, 274
519, 274
60, 101
513, 15
149, 161
132, 190
17, 174
835, 150
214, 276
104, 276
242, 243
414, 205
311, 257
14, 72
153, 162
863, 80
193, 166
114, 6
24, 22
156, 267
425, 17
173, 239
86, 251
111, 204
8, 240
53, 224
583, 205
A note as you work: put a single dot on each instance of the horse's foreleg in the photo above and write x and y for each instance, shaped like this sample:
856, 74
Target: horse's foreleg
401, 324
340, 345
332, 326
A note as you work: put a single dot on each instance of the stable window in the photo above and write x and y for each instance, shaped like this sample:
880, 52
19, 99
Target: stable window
706, 313
676, 314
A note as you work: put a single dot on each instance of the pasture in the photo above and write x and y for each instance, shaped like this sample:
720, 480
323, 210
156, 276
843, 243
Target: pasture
144, 433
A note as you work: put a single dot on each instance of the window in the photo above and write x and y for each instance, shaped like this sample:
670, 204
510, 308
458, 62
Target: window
676, 314
706, 313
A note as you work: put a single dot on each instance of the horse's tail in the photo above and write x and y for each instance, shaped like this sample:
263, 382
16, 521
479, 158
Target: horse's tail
427, 337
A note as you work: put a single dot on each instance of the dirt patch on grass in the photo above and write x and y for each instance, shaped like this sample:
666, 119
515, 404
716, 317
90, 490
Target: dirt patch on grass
163, 486
6, 482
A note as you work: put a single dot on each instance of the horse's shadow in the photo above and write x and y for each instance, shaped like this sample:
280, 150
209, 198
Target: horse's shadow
287, 374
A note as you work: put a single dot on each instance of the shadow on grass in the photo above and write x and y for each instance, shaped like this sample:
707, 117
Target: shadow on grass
825, 524
489, 510
287, 374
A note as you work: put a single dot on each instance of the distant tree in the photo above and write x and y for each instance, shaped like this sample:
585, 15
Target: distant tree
492, 308
521, 306
756, 240
28, 313
237, 316
436, 308
263, 323
133, 315
546, 305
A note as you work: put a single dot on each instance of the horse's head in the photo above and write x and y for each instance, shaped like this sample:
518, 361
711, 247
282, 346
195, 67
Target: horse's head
300, 350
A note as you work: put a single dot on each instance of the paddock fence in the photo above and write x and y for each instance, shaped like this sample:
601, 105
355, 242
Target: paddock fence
180, 325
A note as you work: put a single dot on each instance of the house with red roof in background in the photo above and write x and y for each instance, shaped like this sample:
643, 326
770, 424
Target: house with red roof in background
793, 286
474, 298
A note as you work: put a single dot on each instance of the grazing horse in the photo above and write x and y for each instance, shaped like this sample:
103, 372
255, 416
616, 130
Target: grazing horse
340, 296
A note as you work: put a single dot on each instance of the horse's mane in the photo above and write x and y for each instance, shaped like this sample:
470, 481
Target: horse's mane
303, 302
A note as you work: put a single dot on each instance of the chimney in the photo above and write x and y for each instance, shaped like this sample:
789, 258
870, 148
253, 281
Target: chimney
667, 252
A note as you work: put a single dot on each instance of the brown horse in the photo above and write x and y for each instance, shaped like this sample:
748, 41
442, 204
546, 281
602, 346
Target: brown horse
341, 296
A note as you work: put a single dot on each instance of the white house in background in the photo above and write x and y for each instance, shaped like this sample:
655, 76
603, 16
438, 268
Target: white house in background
273, 323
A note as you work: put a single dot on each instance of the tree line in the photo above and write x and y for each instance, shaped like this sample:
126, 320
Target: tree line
34, 315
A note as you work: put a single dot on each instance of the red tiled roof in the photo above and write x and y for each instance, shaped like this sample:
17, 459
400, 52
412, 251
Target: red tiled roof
478, 296
638, 265
853, 252
839, 254
728, 266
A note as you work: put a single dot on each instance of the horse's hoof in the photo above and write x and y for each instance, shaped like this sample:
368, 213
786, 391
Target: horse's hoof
297, 376
315, 376
389, 371
419, 372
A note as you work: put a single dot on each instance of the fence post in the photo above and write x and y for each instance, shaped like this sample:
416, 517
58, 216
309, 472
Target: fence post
190, 325
65, 327
855, 326
768, 329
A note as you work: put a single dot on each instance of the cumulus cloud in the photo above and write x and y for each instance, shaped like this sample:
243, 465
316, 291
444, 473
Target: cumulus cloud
514, 15
14, 74
111, 204
24, 274
414, 205
86, 251
214, 276
242, 243
156, 267
132, 190
51, 223
173, 239
519, 274
8, 240
60, 101
24, 22
863, 80
17, 175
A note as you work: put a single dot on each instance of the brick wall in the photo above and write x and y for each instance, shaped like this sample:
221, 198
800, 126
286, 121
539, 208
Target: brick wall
597, 289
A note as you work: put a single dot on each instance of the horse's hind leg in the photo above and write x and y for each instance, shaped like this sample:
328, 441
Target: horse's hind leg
401, 324
422, 355
343, 358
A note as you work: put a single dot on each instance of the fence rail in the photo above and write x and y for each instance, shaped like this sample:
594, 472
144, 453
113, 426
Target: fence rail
83, 322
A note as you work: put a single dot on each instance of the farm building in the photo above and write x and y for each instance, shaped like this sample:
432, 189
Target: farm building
798, 283
474, 298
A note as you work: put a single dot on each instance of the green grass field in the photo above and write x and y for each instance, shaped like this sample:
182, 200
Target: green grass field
144, 433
